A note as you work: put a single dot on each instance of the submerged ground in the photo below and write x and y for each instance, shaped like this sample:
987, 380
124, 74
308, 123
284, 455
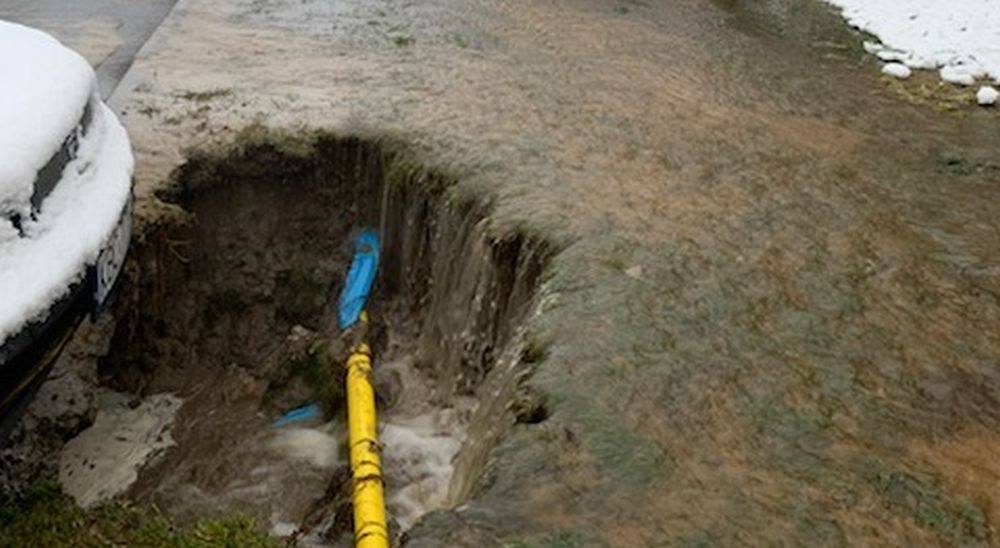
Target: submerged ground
773, 310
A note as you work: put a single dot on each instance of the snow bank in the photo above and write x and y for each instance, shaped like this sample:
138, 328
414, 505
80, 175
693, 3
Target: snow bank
44, 88
961, 37
75, 221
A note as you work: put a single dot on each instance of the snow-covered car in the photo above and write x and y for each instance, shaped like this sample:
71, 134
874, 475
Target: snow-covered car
65, 203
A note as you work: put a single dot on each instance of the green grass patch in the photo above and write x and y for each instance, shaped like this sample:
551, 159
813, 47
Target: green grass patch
205, 95
315, 371
958, 522
402, 41
43, 516
572, 539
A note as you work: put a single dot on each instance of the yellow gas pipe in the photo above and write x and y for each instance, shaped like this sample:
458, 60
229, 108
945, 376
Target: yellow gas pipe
370, 530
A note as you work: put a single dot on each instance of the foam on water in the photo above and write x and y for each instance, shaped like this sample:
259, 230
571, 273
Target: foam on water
417, 456
318, 446
104, 460
419, 460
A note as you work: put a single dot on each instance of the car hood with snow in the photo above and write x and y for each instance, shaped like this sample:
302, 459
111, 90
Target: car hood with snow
65, 174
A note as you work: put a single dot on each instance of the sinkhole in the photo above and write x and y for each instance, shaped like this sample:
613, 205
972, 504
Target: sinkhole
229, 312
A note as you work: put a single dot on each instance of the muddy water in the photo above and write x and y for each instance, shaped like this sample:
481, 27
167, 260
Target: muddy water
230, 316
422, 434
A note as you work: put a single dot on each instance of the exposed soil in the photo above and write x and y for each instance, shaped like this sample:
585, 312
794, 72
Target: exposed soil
232, 314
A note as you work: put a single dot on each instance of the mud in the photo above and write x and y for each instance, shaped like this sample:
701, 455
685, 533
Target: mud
67, 403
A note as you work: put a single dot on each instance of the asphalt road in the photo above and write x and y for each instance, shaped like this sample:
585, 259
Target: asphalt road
108, 33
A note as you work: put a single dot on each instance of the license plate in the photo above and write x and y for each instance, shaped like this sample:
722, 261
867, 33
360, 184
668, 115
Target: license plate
112, 256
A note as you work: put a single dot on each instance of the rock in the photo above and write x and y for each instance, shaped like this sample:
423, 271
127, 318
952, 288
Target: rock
897, 70
293, 393
634, 272
299, 334
64, 406
305, 370
987, 96
388, 384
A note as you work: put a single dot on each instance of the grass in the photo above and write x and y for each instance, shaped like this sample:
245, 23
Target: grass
206, 95
149, 111
460, 40
403, 41
569, 539
43, 516
925, 89
318, 375
958, 522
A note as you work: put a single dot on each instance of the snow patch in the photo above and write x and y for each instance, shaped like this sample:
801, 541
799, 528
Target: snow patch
960, 37
959, 75
897, 70
987, 96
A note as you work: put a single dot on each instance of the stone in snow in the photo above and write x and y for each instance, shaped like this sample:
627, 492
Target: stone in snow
898, 70
987, 96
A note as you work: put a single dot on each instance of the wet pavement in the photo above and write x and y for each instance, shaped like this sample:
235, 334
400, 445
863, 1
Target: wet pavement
108, 33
